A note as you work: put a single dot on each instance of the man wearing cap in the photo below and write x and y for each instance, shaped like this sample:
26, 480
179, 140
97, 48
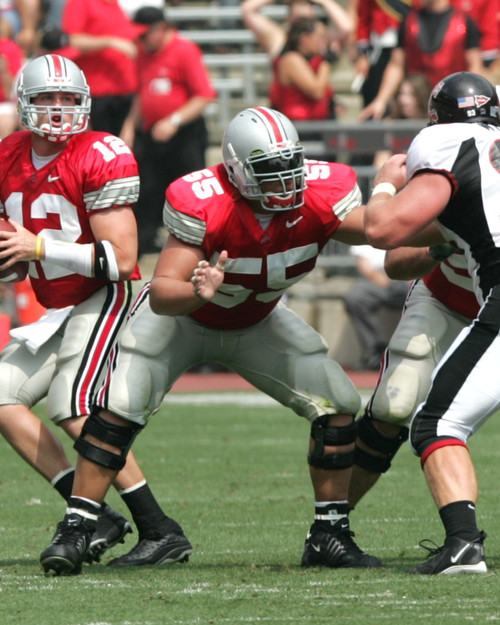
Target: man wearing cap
165, 125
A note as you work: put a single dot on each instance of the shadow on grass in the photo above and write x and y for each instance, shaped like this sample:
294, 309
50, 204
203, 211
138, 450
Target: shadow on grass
397, 565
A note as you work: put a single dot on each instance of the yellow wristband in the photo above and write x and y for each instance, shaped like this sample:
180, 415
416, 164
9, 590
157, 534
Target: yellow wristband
385, 187
38, 248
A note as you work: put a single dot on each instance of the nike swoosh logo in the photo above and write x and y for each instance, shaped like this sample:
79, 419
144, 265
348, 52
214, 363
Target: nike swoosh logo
316, 547
291, 224
456, 557
53, 178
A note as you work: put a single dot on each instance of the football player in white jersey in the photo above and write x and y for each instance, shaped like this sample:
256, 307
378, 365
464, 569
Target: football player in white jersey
70, 195
451, 178
241, 233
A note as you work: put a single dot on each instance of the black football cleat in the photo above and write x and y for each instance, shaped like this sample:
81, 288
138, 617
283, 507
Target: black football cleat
111, 529
335, 548
172, 547
455, 556
69, 546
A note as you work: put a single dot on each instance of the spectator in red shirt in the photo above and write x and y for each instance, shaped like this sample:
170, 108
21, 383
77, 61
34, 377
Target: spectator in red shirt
271, 35
434, 40
376, 35
105, 39
165, 126
485, 14
301, 86
11, 59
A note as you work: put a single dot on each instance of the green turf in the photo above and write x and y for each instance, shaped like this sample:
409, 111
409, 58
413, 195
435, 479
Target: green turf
236, 478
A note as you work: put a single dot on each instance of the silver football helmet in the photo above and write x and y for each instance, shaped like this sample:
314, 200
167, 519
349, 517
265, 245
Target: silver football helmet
264, 158
47, 74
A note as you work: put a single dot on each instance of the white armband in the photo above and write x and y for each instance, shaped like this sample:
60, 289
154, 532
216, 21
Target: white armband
77, 257
87, 259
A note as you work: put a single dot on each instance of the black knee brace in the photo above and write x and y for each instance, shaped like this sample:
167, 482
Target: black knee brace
107, 432
375, 440
325, 435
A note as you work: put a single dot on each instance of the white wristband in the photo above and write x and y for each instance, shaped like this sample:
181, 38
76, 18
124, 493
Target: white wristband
175, 119
78, 258
385, 187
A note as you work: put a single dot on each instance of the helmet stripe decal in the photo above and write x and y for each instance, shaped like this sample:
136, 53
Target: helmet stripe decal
275, 131
56, 63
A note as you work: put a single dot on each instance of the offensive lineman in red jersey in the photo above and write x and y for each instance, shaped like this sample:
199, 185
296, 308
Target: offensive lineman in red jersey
241, 233
70, 195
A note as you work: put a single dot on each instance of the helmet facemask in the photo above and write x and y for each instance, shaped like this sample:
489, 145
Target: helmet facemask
283, 166
52, 128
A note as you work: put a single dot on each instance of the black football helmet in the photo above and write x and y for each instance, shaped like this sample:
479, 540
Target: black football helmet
464, 97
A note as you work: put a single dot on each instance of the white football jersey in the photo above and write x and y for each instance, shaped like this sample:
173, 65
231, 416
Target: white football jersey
468, 154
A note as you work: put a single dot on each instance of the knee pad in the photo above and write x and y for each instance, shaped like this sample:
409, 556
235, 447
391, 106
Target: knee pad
419, 330
119, 436
413, 351
331, 435
377, 441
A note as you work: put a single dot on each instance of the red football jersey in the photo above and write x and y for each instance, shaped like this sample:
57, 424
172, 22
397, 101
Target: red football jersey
95, 171
205, 209
451, 284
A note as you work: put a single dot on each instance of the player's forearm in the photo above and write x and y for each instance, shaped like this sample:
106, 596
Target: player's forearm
408, 263
171, 297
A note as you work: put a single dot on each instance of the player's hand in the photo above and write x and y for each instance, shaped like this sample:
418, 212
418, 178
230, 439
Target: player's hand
393, 171
207, 279
18, 245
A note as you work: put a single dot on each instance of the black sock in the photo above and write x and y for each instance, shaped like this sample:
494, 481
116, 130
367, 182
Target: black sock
63, 483
332, 516
459, 519
148, 516
85, 508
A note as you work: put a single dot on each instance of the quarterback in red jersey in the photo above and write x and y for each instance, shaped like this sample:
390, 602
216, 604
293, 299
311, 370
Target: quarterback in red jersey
241, 233
70, 196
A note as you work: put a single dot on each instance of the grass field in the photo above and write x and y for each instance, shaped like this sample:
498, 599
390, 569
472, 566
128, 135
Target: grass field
235, 476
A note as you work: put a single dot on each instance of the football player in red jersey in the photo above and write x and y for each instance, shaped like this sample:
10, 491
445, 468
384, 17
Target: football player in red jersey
439, 306
241, 233
70, 195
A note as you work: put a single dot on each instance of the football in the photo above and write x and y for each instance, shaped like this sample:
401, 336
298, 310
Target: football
19, 271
